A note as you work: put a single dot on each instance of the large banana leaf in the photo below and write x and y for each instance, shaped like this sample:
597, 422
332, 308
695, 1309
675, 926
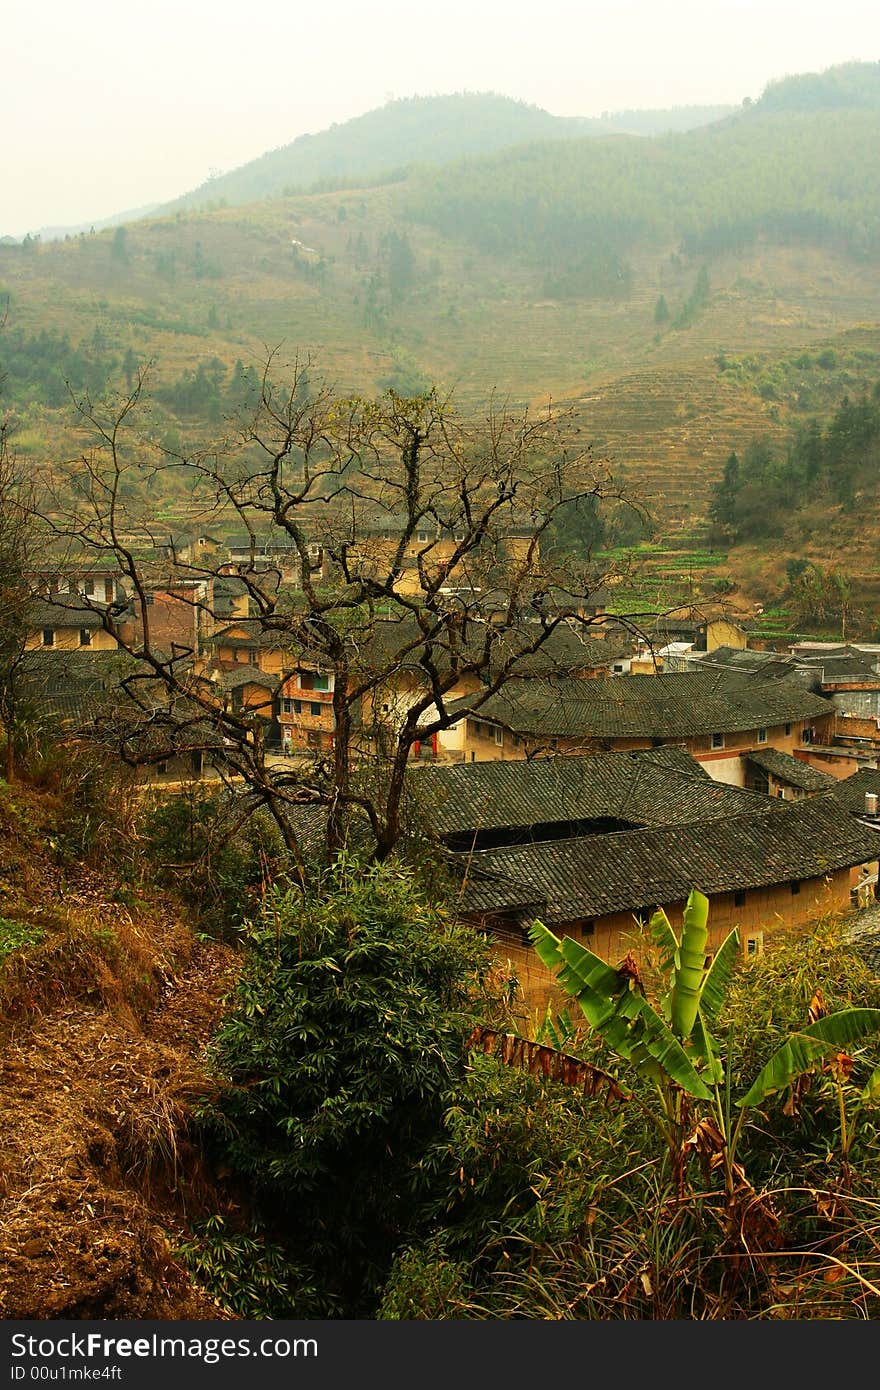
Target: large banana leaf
719, 976
805, 1049
871, 1094
690, 965
624, 1018
702, 1045
664, 939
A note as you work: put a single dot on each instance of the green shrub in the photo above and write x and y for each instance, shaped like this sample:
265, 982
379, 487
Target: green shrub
17, 936
342, 1050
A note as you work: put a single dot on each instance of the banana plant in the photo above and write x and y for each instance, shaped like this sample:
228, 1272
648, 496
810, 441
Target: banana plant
674, 1047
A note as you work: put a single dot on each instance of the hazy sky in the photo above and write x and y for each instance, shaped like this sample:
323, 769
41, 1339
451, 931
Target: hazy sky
107, 106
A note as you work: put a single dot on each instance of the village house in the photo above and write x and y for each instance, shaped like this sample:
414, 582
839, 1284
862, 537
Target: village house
275, 554
761, 873
376, 541
486, 805
715, 715
68, 602
775, 773
591, 843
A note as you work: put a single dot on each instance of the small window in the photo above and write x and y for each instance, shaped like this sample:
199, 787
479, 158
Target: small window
762, 735
795, 887
422, 536
287, 707
89, 588
321, 682
717, 740
788, 729
315, 708
161, 767
499, 737
755, 944
739, 898
588, 928
85, 637
48, 637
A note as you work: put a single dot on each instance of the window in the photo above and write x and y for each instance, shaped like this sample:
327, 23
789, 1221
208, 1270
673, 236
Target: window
717, 740
85, 637
89, 588
315, 708
422, 536
755, 944
287, 706
739, 898
788, 728
762, 735
499, 737
795, 887
48, 637
320, 682
588, 928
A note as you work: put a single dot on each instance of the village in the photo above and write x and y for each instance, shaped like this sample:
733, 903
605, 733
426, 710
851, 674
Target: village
607, 775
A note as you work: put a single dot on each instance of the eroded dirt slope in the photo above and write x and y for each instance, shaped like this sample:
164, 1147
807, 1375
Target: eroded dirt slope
104, 1019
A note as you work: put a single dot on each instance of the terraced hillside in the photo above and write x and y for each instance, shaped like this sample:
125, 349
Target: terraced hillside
758, 334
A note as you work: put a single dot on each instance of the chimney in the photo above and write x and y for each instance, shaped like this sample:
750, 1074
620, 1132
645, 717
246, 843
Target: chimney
871, 805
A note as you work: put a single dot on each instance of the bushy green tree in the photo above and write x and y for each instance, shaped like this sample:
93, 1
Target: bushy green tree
344, 1048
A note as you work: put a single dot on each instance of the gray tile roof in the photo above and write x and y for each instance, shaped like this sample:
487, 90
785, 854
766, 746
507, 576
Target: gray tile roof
634, 870
246, 674
849, 793
662, 786
676, 705
70, 688
791, 770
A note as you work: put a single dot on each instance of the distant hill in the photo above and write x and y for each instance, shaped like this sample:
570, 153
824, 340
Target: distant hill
688, 293
99, 224
383, 143
578, 208
846, 85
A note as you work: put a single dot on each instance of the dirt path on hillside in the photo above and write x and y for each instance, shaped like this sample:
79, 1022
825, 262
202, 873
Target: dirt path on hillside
97, 1172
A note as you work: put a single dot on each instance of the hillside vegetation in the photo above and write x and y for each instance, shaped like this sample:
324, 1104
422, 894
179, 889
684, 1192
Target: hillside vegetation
382, 144
671, 289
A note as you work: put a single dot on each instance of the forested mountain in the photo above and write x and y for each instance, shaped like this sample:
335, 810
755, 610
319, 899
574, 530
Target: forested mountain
688, 294
582, 206
848, 84
382, 144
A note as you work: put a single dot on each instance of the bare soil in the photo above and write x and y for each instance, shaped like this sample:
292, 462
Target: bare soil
103, 1034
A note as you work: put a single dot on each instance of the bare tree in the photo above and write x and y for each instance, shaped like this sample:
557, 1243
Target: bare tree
429, 576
